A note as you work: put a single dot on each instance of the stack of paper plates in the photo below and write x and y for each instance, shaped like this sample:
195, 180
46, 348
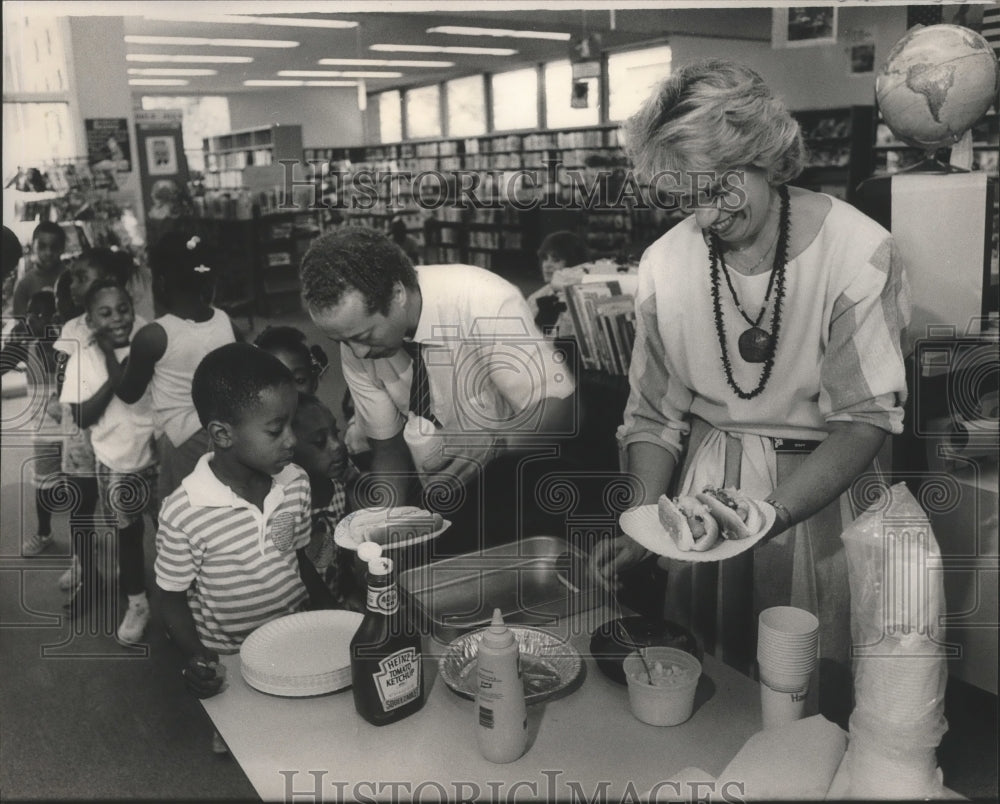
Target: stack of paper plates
302, 654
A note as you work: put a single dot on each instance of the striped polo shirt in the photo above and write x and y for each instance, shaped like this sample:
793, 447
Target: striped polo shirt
236, 563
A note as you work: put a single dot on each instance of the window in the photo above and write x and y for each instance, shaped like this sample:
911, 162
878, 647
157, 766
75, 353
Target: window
631, 77
466, 103
204, 116
559, 113
390, 117
423, 112
35, 134
515, 99
37, 126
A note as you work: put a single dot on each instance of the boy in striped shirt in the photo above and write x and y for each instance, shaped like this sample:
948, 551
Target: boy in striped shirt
230, 546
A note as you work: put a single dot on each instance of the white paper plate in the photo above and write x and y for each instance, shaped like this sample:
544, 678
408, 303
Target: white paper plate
343, 536
643, 524
308, 653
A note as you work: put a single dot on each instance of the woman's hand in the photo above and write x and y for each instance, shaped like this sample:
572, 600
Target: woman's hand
610, 557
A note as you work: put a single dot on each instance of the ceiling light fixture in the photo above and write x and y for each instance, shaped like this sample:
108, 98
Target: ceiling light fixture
384, 63
464, 51
170, 71
271, 82
158, 82
134, 39
458, 30
187, 59
338, 74
241, 19
331, 83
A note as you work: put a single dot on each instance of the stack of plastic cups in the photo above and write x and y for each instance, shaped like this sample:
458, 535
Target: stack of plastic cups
787, 645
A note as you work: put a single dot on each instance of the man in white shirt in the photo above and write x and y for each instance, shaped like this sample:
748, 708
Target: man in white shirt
496, 386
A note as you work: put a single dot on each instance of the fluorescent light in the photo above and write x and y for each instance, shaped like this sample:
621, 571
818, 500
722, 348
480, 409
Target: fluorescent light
158, 82
331, 83
240, 19
133, 39
170, 71
384, 63
465, 51
189, 59
337, 74
459, 30
271, 82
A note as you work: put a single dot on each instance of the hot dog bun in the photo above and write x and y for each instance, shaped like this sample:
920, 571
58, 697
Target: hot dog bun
390, 526
738, 516
688, 522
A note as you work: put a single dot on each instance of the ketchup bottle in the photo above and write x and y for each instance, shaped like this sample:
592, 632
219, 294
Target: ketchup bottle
386, 650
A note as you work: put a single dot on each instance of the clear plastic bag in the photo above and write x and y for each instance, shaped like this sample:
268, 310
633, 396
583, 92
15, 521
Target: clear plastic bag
900, 667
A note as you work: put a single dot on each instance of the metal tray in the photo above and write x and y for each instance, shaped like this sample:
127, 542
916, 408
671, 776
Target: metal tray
539, 581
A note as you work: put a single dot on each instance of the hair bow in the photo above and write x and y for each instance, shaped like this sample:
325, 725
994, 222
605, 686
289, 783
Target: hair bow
193, 242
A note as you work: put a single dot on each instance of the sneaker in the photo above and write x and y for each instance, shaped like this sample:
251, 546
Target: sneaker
71, 577
134, 623
36, 544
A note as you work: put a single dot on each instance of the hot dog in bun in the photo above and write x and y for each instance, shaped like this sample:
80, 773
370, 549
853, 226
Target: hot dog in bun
738, 516
688, 522
391, 526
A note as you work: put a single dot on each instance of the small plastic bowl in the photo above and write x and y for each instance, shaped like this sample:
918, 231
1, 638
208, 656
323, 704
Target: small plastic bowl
669, 700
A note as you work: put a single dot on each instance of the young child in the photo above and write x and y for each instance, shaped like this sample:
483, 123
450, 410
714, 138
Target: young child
558, 250
166, 352
30, 343
121, 437
230, 549
288, 344
78, 462
321, 452
48, 242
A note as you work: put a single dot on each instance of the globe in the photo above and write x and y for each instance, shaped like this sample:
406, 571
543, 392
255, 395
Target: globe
937, 81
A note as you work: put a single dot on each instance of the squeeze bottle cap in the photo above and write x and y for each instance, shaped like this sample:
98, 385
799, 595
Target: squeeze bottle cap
371, 553
498, 635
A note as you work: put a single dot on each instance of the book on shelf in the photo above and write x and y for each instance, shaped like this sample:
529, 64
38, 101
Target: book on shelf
613, 316
587, 302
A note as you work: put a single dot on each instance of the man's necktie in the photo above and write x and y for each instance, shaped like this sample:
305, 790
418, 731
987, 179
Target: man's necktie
420, 387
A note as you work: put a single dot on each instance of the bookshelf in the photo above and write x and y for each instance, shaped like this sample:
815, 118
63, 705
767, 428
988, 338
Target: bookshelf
281, 240
231, 159
838, 145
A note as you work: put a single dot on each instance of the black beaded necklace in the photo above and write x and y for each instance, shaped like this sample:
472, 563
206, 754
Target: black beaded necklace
756, 345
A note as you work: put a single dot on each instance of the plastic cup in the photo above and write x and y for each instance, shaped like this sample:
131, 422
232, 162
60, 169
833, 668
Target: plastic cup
669, 700
785, 682
787, 645
779, 708
789, 622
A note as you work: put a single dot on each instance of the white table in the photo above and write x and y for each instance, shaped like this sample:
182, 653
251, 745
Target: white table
319, 749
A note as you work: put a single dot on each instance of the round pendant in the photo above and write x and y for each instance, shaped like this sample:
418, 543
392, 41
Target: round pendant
755, 345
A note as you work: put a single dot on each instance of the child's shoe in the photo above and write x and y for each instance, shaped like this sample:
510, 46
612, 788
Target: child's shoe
71, 577
36, 544
133, 625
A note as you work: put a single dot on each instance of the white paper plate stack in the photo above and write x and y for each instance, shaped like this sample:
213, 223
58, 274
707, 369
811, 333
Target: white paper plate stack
308, 653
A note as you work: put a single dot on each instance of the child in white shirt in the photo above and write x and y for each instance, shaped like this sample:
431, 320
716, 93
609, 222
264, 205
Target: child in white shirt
121, 436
